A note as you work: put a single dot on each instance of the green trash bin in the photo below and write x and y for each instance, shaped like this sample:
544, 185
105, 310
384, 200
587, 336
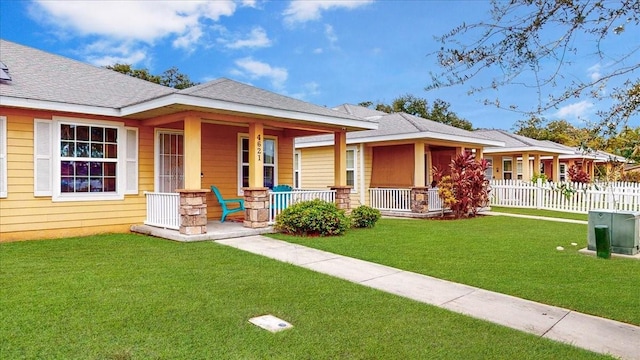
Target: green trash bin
603, 241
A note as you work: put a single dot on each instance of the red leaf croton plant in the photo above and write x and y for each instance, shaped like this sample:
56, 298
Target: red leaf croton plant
463, 187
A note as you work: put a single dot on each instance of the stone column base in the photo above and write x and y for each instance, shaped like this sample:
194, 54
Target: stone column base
256, 207
343, 197
420, 200
193, 211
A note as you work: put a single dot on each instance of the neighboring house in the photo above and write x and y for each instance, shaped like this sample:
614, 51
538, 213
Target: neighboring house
83, 148
587, 160
540, 157
400, 154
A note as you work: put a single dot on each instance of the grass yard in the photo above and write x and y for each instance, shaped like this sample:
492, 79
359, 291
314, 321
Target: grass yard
134, 297
509, 255
536, 212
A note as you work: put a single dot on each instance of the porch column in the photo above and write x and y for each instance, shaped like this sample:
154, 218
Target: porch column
256, 207
479, 153
418, 164
419, 199
193, 211
256, 196
192, 152
591, 165
340, 158
343, 197
536, 164
556, 168
526, 175
430, 165
256, 155
460, 150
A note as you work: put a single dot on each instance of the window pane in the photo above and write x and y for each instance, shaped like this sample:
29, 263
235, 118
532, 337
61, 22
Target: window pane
95, 169
111, 151
82, 168
269, 177
269, 151
82, 133
67, 132
97, 151
245, 176
350, 159
296, 160
350, 178
110, 169
111, 135
245, 151
507, 165
82, 149
95, 185
109, 184
67, 149
97, 134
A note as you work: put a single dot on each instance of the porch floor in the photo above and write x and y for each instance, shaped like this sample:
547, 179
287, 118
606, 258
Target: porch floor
215, 231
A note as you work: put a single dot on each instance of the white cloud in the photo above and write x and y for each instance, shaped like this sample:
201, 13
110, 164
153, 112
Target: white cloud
256, 39
594, 72
300, 11
132, 20
576, 110
318, 51
255, 69
330, 34
104, 52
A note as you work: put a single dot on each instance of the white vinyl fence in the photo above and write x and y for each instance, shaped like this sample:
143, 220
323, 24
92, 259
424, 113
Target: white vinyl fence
163, 210
569, 197
386, 199
283, 199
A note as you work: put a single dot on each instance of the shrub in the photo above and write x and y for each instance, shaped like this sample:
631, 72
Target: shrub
465, 189
364, 217
313, 218
578, 175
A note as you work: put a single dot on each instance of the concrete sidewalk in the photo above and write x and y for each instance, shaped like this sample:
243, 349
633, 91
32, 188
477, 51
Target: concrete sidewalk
596, 334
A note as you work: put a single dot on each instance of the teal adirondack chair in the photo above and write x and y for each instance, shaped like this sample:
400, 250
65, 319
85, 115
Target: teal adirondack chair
226, 210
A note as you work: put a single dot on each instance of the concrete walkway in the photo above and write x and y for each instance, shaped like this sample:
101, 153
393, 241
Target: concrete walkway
596, 334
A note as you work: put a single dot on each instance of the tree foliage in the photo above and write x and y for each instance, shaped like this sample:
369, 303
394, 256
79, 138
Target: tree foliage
171, 77
533, 43
465, 188
438, 111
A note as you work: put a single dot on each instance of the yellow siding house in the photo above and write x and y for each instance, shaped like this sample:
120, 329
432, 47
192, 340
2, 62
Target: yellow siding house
85, 150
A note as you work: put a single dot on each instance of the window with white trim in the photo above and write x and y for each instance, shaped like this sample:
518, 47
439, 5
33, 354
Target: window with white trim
297, 165
79, 159
519, 169
3, 157
507, 168
351, 168
269, 161
488, 173
563, 172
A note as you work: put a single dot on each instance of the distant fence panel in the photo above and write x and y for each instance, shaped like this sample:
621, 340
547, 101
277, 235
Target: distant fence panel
565, 196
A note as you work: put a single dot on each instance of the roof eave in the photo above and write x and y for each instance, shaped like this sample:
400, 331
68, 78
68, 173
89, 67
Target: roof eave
57, 106
527, 149
408, 136
186, 100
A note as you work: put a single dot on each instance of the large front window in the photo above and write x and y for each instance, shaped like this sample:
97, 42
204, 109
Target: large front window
269, 159
88, 158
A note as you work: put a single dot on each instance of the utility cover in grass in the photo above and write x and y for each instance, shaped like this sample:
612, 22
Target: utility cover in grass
270, 322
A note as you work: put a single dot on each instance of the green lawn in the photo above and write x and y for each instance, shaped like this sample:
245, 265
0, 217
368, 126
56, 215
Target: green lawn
505, 254
546, 213
135, 297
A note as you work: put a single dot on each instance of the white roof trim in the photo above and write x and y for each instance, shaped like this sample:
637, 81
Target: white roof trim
173, 99
57, 106
409, 136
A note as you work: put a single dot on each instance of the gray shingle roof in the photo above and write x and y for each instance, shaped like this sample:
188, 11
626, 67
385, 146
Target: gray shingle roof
398, 124
232, 91
518, 141
38, 75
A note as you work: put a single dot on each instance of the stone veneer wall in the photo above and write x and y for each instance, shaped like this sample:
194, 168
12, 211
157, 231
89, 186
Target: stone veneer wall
256, 207
420, 200
343, 197
193, 211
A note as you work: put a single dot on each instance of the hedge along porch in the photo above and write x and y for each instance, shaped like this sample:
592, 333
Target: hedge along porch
160, 140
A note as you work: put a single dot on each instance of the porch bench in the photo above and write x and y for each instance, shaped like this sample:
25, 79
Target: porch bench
226, 210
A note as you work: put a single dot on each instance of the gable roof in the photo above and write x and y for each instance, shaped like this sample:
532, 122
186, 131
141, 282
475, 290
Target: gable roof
399, 126
519, 143
595, 155
41, 80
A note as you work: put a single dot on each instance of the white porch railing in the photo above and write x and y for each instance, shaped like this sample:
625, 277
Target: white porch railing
278, 201
390, 199
569, 197
435, 203
163, 210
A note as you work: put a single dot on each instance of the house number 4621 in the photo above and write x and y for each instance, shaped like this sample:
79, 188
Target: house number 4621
259, 148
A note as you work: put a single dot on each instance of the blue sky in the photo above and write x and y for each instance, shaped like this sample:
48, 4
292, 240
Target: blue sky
324, 52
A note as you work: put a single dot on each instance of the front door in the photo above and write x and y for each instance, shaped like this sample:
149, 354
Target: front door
169, 161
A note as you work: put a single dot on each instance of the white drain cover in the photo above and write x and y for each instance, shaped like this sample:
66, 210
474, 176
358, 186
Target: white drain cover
270, 322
